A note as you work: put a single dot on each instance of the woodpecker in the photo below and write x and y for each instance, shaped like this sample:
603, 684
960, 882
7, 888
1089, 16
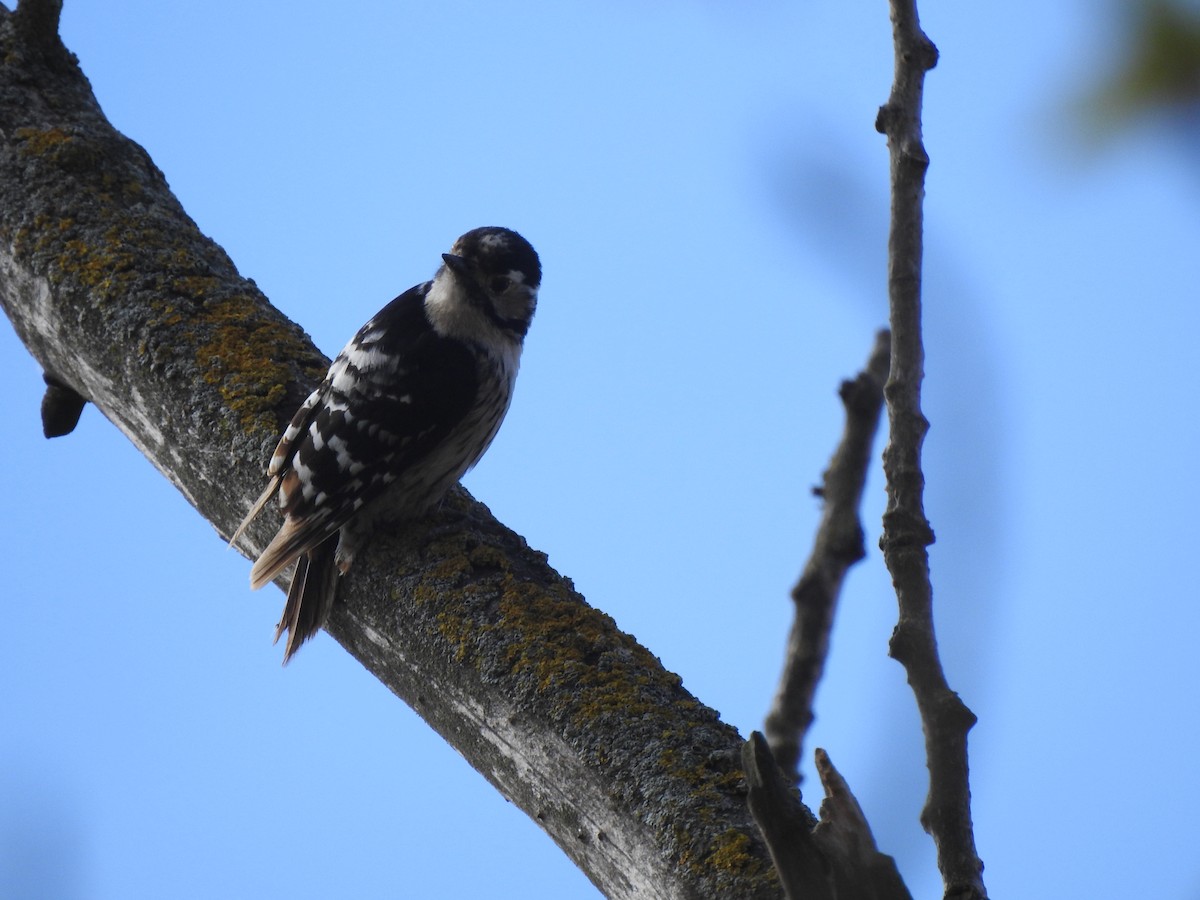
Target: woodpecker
409, 405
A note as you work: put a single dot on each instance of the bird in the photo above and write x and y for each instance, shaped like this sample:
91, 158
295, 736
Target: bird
408, 406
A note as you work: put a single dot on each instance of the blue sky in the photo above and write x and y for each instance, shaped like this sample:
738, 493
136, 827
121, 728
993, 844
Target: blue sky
709, 198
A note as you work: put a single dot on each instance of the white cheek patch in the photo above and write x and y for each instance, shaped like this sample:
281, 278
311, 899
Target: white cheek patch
451, 312
443, 292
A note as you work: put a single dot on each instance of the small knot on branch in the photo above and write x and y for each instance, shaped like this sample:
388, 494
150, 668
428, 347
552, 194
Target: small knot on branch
904, 529
884, 118
62, 406
922, 52
954, 713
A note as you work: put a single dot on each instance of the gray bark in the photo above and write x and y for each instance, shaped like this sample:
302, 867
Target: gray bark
116, 293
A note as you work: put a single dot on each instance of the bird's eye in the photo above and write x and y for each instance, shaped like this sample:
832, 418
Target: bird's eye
499, 284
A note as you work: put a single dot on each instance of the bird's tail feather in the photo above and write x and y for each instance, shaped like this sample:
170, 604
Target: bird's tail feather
272, 487
294, 537
310, 597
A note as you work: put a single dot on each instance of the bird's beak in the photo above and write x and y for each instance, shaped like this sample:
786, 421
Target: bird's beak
455, 264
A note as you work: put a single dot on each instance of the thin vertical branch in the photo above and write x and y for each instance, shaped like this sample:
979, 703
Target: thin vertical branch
906, 532
837, 546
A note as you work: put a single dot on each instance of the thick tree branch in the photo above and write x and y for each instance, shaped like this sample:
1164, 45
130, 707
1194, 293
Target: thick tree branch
906, 533
113, 289
838, 545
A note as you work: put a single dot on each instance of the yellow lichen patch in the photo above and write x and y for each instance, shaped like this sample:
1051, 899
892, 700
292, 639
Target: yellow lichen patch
707, 782
561, 641
165, 287
457, 633
40, 141
107, 267
485, 556
451, 568
103, 269
422, 595
59, 149
550, 635
731, 852
195, 287
553, 636
239, 358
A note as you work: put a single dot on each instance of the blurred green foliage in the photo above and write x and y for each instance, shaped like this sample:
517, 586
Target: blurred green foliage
1160, 71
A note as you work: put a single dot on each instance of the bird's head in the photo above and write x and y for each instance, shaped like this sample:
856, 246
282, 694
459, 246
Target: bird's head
487, 287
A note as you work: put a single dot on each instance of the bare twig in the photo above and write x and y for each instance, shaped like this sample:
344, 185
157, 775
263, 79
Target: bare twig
838, 545
845, 835
906, 532
833, 858
785, 823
